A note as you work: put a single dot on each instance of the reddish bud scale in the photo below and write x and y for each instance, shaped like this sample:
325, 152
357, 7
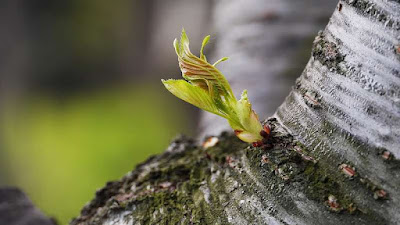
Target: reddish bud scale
346, 169
237, 132
267, 129
257, 144
263, 134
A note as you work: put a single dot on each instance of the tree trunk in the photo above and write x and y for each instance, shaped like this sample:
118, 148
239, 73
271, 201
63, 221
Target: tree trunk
268, 44
332, 153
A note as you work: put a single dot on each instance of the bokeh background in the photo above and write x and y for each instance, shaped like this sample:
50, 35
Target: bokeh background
81, 100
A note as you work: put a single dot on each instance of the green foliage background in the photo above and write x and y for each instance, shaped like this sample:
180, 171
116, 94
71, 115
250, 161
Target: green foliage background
61, 152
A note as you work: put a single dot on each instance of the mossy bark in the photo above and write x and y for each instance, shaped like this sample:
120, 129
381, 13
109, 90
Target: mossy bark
332, 157
233, 183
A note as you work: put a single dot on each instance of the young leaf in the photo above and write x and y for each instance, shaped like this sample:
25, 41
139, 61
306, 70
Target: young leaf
205, 87
248, 119
191, 94
199, 71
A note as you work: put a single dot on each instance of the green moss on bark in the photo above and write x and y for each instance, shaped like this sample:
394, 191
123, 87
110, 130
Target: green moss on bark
328, 54
225, 184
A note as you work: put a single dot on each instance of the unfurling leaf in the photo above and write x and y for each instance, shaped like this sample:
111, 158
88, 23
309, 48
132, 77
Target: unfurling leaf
205, 87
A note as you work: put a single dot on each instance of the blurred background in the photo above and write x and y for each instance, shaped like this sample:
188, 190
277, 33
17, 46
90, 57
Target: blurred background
81, 101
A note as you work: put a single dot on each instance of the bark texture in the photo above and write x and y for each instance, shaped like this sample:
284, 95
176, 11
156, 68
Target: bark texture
332, 157
268, 44
346, 105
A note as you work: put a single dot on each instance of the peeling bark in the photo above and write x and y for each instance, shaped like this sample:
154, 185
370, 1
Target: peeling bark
333, 156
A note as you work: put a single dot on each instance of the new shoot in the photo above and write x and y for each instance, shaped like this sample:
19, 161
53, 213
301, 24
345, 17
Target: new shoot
204, 86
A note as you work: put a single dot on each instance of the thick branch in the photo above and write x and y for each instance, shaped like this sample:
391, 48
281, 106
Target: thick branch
230, 183
331, 158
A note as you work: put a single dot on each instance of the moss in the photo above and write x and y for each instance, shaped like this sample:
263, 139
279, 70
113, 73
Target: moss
171, 189
321, 184
102, 197
163, 207
227, 145
171, 205
191, 187
328, 54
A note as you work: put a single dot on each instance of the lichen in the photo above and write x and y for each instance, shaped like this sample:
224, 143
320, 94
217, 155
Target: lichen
327, 53
184, 170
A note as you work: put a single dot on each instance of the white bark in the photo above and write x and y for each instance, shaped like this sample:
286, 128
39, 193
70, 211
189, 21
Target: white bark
346, 105
268, 43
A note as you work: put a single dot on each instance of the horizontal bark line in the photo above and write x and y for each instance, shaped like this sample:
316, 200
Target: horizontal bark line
346, 105
386, 12
348, 108
329, 139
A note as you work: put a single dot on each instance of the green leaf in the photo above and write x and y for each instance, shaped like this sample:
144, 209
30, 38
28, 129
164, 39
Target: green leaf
191, 94
199, 71
248, 119
221, 60
205, 87
205, 41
